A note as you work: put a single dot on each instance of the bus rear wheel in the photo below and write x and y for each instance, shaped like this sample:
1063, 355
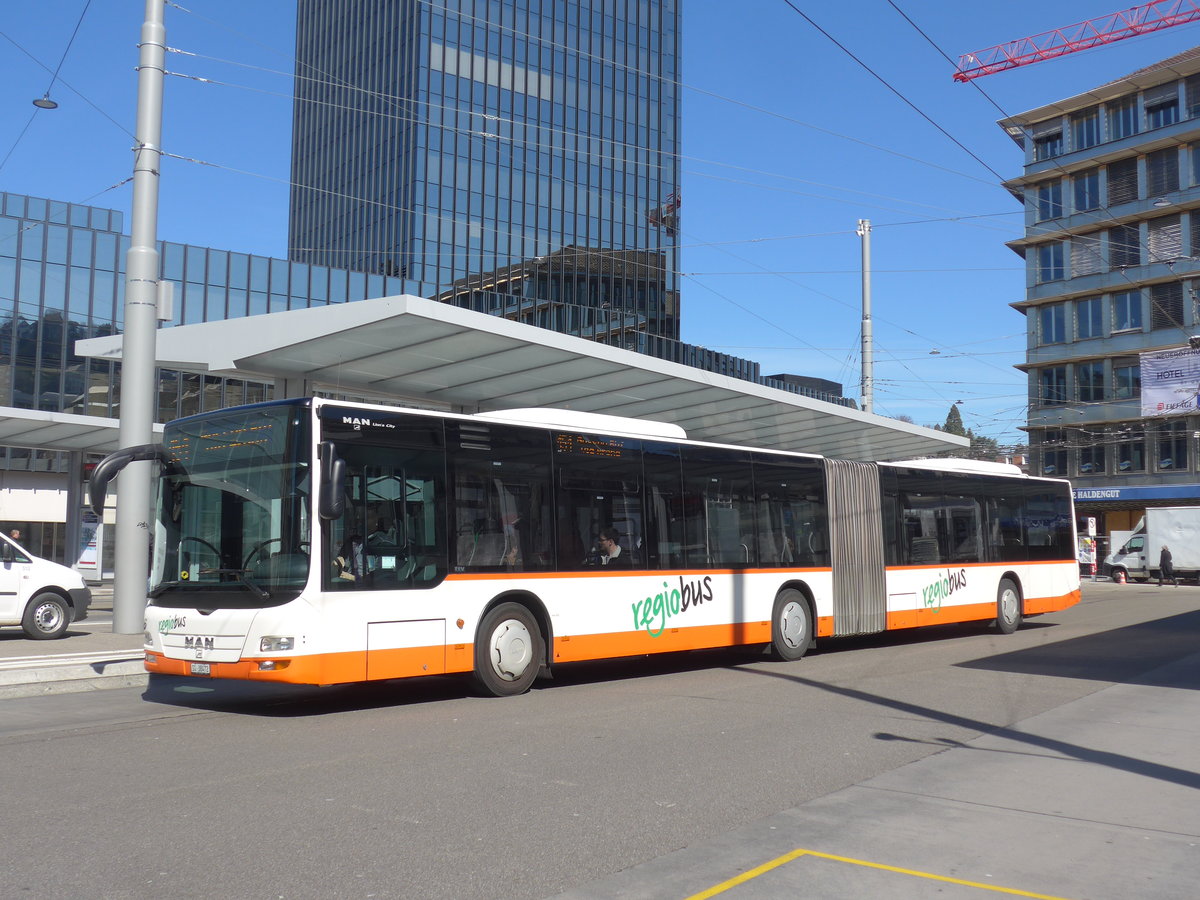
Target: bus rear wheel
1008, 607
508, 651
791, 625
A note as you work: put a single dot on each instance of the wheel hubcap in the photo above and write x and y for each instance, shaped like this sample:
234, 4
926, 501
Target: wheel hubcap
512, 650
1008, 606
47, 617
791, 625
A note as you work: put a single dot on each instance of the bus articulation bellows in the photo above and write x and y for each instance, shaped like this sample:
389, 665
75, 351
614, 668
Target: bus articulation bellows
321, 542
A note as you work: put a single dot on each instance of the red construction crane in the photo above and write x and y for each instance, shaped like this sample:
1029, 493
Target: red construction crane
1081, 36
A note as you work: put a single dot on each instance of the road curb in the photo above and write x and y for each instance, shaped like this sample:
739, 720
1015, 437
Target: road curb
73, 676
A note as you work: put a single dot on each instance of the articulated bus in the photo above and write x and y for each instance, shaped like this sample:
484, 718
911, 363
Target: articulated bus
321, 542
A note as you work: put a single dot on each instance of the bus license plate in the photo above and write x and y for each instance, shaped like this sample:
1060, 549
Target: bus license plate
201, 668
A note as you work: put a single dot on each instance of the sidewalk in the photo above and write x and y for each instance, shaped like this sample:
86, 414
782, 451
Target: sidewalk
89, 658
1098, 799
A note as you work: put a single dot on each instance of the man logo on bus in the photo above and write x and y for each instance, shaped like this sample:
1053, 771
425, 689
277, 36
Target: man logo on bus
934, 594
360, 422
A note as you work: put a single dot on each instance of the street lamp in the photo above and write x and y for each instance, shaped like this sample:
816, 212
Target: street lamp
141, 324
45, 102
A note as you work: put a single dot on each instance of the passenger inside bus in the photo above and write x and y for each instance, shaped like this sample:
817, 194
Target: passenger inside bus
610, 552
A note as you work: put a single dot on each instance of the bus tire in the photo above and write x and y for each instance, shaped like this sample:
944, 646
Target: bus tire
1008, 606
791, 625
46, 617
508, 651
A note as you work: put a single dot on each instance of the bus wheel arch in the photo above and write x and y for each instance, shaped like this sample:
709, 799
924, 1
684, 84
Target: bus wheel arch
792, 622
511, 644
1009, 604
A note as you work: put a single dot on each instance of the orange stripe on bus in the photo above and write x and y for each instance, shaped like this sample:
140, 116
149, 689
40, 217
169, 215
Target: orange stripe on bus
603, 572
362, 665
983, 565
578, 647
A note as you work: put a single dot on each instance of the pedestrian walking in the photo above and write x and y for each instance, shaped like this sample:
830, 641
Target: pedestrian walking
1166, 568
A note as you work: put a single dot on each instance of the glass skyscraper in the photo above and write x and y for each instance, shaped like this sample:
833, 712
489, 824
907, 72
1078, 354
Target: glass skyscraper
504, 155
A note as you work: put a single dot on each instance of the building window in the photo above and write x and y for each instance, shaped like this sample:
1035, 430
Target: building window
1191, 90
1049, 200
1054, 452
1122, 181
1050, 262
1054, 323
1047, 139
1162, 172
1091, 460
1122, 118
1127, 378
1131, 451
1087, 190
1172, 442
1127, 311
1085, 129
1089, 380
1161, 105
1089, 318
1052, 389
1124, 246
1086, 255
1164, 239
1166, 305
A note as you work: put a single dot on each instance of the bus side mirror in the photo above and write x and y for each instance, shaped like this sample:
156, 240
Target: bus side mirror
106, 470
332, 500
6, 552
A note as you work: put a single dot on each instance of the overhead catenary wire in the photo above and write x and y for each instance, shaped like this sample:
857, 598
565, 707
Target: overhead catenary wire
701, 243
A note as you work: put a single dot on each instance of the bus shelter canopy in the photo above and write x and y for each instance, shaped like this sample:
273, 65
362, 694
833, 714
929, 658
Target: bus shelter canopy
38, 429
429, 354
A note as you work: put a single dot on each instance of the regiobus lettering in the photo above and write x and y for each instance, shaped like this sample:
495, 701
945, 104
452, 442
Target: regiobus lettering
934, 594
670, 602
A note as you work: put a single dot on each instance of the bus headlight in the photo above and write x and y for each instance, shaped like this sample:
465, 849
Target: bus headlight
273, 643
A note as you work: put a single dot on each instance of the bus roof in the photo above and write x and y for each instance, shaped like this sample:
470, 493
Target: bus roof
965, 466
576, 420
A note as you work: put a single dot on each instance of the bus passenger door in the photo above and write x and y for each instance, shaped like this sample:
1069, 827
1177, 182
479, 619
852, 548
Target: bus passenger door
856, 538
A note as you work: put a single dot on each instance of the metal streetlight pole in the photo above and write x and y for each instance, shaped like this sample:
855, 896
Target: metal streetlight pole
868, 345
131, 564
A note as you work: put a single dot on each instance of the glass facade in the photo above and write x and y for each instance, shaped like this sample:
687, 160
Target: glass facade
62, 279
451, 143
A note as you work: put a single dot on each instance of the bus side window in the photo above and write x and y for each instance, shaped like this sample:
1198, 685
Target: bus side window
500, 515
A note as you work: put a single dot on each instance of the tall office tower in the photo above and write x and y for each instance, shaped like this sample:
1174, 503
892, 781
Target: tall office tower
513, 156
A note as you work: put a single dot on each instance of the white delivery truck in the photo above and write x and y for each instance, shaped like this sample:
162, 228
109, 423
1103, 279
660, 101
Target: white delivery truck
1178, 527
42, 597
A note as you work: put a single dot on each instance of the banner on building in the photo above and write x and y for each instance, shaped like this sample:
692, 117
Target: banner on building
1170, 382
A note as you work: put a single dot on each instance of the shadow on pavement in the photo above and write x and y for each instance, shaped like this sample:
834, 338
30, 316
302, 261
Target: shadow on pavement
1133, 765
1129, 654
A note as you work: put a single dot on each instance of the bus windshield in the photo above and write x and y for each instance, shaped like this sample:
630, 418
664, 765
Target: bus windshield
233, 518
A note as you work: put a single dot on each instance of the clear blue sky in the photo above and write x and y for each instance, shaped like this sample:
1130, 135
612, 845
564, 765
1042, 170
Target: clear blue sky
787, 143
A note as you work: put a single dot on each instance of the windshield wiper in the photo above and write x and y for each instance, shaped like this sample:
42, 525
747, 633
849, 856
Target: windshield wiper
241, 577
242, 580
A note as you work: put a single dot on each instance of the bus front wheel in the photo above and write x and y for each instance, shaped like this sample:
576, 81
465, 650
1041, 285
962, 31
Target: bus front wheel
1008, 607
508, 651
791, 625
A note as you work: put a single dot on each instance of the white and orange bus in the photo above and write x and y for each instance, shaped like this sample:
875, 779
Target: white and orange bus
322, 542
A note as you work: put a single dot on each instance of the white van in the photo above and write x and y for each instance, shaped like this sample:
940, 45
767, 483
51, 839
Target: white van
42, 597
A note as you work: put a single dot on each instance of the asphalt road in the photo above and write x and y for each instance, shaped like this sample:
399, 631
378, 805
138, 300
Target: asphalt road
418, 789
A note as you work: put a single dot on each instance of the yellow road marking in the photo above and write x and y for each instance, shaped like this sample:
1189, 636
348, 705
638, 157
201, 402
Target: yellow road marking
796, 854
